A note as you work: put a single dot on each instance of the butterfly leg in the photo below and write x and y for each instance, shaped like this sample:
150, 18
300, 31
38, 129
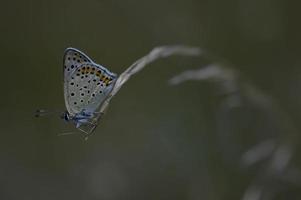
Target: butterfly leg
86, 133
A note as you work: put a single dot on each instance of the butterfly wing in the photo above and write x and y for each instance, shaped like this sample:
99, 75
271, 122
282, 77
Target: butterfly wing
73, 58
87, 87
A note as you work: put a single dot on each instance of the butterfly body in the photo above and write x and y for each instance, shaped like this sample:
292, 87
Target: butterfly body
79, 119
87, 85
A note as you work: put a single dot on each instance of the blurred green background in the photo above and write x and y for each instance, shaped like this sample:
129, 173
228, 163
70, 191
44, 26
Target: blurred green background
156, 141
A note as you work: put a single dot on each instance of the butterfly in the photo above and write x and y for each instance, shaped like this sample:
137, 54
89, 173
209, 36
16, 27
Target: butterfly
89, 87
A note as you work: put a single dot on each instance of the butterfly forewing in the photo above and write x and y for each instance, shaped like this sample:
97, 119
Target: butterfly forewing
88, 87
72, 59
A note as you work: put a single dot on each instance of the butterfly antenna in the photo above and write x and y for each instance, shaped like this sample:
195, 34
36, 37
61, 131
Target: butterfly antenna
42, 113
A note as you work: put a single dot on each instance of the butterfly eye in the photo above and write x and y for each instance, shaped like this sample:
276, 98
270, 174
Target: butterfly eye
65, 116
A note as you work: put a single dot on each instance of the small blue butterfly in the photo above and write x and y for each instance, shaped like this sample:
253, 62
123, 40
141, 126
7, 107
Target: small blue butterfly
86, 87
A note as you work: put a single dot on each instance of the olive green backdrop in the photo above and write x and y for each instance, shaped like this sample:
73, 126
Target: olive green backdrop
156, 141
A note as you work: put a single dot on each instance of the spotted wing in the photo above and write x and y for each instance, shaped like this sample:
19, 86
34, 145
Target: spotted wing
72, 59
88, 87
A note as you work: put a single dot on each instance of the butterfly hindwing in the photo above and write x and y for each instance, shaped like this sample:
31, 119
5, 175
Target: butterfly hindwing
88, 87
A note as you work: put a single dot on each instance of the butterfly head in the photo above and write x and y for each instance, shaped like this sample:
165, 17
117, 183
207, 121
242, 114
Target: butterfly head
66, 116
